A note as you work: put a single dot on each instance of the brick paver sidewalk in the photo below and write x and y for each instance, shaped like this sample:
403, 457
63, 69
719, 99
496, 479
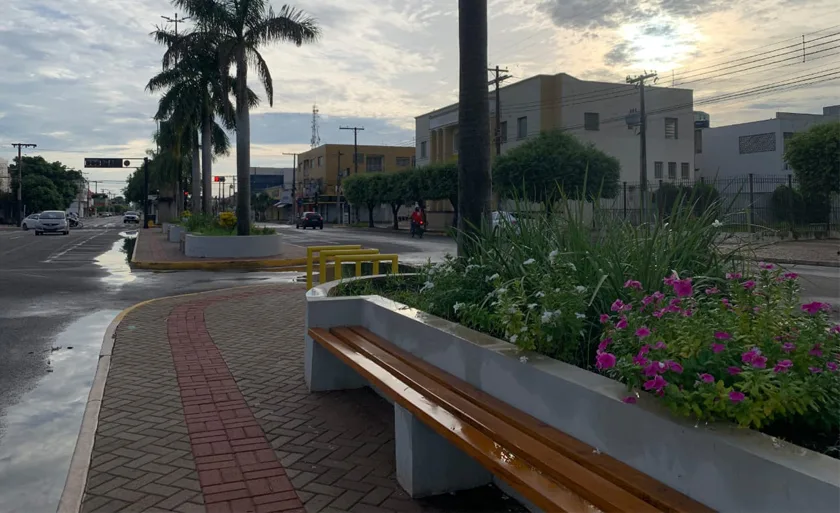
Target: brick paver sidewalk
205, 409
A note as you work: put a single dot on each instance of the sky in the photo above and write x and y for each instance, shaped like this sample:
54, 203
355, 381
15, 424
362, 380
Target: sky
73, 73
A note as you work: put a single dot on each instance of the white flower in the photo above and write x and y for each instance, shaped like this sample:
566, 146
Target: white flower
472, 266
529, 261
523, 329
580, 289
532, 306
549, 338
458, 306
540, 294
511, 310
553, 255
427, 286
557, 290
580, 315
501, 291
547, 316
572, 266
491, 278
717, 224
513, 338
523, 359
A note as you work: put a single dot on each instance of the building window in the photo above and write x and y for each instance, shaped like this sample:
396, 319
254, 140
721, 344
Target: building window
757, 143
423, 149
403, 161
374, 162
685, 171
522, 128
672, 170
657, 170
503, 131
591, 121
698, 141
671, 128
320, 161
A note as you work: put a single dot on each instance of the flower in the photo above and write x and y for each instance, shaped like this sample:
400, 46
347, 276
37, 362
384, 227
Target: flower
553, 255
660, 345
513, 339
831, 366
647, 300
733, 370
766, 266
604, 343
531, 306
529, 261
683, 287
642, 332
491, 278
604, 318
580, 289
835, 329
816, 307
427, 286
749, 356
605, 361
547, 315
659, 313
617, 305
718, 348
539, 294
749, 284
788, 347
706, 378
736, 397
712, 290
759, 362
523, 359
722, 335
658, 296
674, 366
629, 399
790, 276
669, 280
633, 284
622, 323
815, 370
655, 368
733, 276
640, 360
645, 349
458, 306
782, 366
657, 383
717, 224
816, 350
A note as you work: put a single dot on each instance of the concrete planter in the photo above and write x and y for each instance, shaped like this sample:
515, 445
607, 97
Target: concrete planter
726, 468
252, 246
174, 233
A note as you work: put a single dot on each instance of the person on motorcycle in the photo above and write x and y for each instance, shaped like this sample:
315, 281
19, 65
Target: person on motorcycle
416, 220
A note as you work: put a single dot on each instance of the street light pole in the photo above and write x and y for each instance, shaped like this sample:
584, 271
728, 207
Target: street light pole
145, 192
20, 178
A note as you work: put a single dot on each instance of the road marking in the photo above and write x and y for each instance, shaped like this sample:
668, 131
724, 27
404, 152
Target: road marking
18, 237
54, 256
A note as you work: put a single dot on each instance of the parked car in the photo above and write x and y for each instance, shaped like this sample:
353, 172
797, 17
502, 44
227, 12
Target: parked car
499, 218
53, 221
131, 217
310, 219
31, 221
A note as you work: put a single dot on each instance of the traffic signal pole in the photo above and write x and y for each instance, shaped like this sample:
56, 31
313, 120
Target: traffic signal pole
145, 192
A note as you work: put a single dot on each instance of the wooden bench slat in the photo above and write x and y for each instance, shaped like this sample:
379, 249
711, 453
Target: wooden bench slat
520, 474
623, 475
599, 491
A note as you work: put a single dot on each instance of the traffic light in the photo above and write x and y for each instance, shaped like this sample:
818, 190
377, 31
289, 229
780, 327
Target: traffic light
186, 194
216, 179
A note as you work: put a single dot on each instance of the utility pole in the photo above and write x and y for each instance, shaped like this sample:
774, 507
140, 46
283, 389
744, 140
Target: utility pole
355, 130
19, 146
640, 80
175, 20
338, 192
145, 192
294, 182
497, 81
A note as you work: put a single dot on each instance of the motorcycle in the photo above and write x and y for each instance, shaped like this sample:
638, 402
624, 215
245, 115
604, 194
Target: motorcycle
418, 229
75, 223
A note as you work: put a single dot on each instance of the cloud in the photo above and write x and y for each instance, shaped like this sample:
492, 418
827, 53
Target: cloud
621, 54
586, 14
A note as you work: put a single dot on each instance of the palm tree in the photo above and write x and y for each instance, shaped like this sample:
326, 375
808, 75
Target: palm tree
237, 29
168, 165
473, 121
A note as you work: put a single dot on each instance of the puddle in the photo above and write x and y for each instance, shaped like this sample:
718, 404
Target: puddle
41, 430
114, 262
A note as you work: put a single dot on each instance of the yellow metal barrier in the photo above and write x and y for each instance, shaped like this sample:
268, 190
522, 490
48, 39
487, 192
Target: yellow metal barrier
317, 249
326, 254
358, 259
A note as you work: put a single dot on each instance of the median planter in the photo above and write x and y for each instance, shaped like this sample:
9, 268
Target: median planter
174, 233
231, 246
725, 467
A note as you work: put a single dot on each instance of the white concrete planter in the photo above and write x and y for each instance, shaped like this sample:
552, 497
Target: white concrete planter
252, 246
726, 468
174, 233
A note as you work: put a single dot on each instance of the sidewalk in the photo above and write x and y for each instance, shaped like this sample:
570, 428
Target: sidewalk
802, 252
205, 408
152, 251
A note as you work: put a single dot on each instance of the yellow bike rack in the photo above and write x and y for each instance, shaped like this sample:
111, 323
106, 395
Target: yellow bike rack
326, 254
358, 259
317, 249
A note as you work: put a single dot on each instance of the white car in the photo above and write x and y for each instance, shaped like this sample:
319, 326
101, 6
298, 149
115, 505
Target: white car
53, 221
31, 222
131, 217
503, 218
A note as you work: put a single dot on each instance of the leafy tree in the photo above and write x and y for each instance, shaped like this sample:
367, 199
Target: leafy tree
394, 193
418, 186
40, 193
814, 156
261, 202
442, 180
65, 181
365, 190
237, 30
553, 163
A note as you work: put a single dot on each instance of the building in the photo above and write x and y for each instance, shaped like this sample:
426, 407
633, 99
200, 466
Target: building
82, 203
5, 177
756, 147
262, 178
320, 170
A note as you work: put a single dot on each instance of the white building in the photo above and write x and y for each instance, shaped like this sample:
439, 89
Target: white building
754, 148
593, 111
5, 177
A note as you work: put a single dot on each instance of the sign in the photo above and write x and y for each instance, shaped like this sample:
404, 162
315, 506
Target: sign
701, 123
218, 178
107, 163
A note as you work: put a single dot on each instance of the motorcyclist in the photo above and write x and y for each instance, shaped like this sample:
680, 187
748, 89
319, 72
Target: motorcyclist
416, 220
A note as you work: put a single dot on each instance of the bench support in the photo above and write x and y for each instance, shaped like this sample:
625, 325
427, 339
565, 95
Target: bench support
427, 464
324, 372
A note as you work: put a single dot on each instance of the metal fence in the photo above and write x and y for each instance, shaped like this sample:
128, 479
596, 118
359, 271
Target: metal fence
746, 203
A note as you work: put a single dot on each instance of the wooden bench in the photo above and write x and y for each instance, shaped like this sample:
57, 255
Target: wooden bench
451, 436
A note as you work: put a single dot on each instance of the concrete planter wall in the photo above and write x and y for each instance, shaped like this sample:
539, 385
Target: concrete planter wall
174, 233
726, 468
252, 246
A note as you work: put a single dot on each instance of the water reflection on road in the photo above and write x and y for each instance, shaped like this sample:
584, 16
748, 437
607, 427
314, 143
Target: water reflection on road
41, 430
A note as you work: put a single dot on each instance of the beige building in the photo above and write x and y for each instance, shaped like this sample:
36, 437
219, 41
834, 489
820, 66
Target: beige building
5, 177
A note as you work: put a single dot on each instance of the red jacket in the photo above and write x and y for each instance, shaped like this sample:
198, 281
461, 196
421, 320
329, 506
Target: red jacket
417, 218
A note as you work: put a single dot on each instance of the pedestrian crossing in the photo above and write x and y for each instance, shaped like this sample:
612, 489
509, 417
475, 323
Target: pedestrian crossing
83, 249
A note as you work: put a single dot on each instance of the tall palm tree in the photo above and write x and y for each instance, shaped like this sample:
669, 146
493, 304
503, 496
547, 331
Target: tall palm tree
473, 120
170, 162
238, 29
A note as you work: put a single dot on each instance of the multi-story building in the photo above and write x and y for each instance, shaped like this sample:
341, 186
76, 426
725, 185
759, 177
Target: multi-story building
756, 147
320, 170
262, 178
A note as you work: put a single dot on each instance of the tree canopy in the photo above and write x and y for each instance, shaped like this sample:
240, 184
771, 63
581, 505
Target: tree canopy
46, 185
814, 156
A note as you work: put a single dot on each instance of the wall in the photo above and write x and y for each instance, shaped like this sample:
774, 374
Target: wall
327, 168
5, 178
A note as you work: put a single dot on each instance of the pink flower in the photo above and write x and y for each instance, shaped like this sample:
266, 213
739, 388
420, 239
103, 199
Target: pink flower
712, 290
640, 360
604, 343
749, 284
658, 296
788, 347
815, 370
657, 383
605, 318
645, 349
647, 300
722, 335
674, 366
617, 305
831, 366
733, 370
621, 324
688, 312
733, 276
790, 276
766, 266
660, 345
816, 307
642, 332
683, 287
736, 397
706, 378
759, 362
782, 366
717, 348
655, 368
816, 350
749, 356
659, 313
670, 280
629, 399
835, 329
605, 361
726, 303
633, 284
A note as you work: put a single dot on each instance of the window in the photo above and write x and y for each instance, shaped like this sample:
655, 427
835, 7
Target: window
698, 141
757, 143
591, 121
522, 128
672, 170
320, 161
403, 161
374, 162
423, 149
503, 131
685, 171
657, 170
671, 128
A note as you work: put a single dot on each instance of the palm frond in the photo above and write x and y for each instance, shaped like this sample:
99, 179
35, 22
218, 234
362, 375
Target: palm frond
208, 14
220, 140
257, 62
288, 25
163, 80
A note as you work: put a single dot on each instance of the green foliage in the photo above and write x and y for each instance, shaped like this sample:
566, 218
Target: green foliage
223, 224
788, 206
554, 164
46, 185
261, 203
394, 193
814, 156
40, 193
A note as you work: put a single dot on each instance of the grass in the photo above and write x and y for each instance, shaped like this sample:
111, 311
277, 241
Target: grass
207, 225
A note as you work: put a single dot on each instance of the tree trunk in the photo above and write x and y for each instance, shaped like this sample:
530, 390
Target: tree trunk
195, 204
206, 181
474, 121
370, 216
454, 201
395, 208
243, 147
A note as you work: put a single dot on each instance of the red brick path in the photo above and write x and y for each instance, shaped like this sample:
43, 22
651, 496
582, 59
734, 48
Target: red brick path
237, 468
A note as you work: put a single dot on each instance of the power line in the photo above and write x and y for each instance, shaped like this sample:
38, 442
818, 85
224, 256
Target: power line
355, 130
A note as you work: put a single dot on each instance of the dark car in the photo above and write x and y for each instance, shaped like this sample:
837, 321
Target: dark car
310, 219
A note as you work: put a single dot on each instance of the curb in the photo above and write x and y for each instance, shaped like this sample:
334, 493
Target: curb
437, 233
790, 261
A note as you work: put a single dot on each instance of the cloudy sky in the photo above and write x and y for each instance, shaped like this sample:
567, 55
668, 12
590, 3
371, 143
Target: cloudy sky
72, 73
